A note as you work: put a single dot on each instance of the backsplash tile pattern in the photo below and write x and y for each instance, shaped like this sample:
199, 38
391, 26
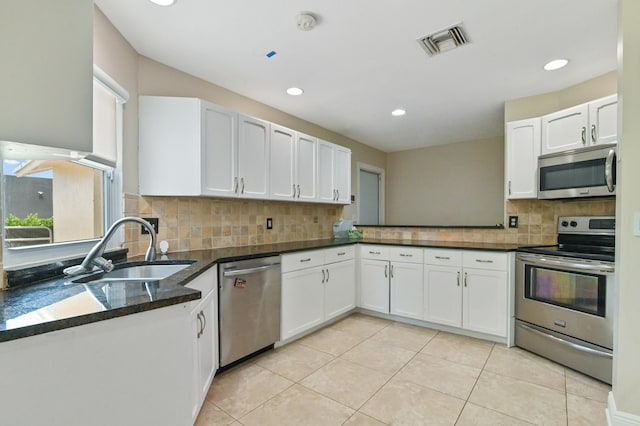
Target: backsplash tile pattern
194, 223
538, 222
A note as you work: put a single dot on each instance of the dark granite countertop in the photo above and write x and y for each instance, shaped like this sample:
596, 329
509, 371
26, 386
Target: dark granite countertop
40, 305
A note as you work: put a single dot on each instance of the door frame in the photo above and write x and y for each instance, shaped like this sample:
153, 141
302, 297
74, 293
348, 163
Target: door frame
380, 172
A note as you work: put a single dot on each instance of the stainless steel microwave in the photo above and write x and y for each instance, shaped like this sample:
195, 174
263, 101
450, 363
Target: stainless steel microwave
585, 172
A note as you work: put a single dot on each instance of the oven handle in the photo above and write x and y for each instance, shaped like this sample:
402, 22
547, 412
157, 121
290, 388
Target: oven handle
608, 169
543, 261
565, 343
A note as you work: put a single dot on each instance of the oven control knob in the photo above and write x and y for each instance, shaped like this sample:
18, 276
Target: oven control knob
565, 223
573, 223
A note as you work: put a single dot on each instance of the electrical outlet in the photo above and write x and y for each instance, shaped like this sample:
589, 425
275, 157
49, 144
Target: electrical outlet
269, 223
513, 221
153, 221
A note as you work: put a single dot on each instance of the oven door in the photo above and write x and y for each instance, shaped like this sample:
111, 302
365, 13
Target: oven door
570, 296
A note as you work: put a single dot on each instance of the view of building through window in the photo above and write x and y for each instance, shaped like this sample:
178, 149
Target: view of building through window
51, 201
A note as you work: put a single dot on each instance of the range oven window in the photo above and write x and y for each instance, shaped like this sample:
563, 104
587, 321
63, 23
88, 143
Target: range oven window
573, 290
582, 174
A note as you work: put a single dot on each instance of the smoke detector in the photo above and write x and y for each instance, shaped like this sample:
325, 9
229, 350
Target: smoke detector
443, 40
306, 21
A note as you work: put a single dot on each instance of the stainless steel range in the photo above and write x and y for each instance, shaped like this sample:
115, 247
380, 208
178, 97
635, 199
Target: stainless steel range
565, 296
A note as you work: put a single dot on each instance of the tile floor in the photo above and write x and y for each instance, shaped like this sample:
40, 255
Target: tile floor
364, 370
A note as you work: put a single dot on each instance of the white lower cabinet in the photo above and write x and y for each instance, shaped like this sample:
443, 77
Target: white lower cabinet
204, 328
374, 285
312, 294
468, 289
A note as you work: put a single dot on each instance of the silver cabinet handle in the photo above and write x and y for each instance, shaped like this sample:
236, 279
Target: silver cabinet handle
342, 253
328, 275
374, 252
235, 185
391, 270
509, 187
385, 271
242, 183
204, 322
484, 261
594, 134
608, 170
298, 191
405, 255
308, 259
565, 343
458, 279
201, 325
443, 257
465, 279
583, 135
294, 190
324, 278
337, 194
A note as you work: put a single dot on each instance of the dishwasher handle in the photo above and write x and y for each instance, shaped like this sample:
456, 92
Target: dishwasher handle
235, 272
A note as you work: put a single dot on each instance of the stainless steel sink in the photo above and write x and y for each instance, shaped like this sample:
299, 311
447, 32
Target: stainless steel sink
144, 272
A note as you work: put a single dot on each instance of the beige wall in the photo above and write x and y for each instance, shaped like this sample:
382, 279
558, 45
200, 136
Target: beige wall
626, 374
535, 106
453, 184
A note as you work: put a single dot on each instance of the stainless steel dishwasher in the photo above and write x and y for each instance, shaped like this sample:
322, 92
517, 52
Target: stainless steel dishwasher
249, 307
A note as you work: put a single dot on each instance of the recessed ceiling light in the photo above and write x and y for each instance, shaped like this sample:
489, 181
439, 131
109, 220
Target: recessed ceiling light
398, 112
556, 64
295, 91
163, 2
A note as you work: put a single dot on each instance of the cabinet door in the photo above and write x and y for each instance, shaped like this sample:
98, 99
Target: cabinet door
603, 120
307, 167
340, 288
342, 174
219, 151
206, 336
374, 285
485, 299
282, 185
566, 129
443, 295
523, 149
302, 301
407, 290
253, 157
326, 187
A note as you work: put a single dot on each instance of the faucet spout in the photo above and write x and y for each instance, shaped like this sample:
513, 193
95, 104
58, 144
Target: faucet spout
94, 259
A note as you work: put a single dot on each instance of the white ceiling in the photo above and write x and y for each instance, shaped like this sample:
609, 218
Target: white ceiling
362, 59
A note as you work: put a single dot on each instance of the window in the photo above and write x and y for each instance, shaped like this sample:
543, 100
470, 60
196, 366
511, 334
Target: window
55, 208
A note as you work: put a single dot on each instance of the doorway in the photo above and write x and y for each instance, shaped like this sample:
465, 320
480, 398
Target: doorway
370, 195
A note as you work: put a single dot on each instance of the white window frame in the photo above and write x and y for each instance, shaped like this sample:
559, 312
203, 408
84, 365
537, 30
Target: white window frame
46, 253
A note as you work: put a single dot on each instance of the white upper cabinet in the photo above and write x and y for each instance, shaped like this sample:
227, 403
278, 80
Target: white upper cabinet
253, 157
580, 126
522, 151
334, 173
46, 73
293, 165
219, 151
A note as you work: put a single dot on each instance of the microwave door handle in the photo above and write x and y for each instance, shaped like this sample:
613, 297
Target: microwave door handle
543, 261
608, 170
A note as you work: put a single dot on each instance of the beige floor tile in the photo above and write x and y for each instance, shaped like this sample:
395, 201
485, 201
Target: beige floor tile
459, 349
585, 412
523, 400
346, 382
361, 325
379, 357
210, 415
400, 402
473, 415
404, 336
331, 341
520, 364
298, 406
441, 375
241, 390
581, 385
359, 419
294, 361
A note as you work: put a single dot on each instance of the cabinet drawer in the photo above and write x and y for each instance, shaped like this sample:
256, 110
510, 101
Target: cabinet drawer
443, 257
302, 260
405, 254
338, 254
374, 252
485, 260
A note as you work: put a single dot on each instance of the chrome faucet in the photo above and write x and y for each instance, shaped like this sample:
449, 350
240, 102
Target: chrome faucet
94, 260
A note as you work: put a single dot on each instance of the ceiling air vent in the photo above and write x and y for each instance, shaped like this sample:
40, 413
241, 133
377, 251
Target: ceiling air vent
443, 40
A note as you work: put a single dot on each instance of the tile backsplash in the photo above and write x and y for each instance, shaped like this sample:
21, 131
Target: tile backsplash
537, 223
194, 223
